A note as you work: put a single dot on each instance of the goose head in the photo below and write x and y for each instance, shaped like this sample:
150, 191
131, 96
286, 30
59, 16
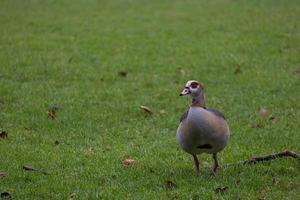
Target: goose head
195, 90
192, 88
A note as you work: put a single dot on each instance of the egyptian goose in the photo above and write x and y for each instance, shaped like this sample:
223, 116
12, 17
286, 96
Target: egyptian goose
201, 130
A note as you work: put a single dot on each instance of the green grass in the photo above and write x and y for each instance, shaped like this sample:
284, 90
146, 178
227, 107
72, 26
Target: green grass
70, 53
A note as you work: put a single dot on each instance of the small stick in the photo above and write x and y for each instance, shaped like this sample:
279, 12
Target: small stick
29, 168
254, 160
286, 153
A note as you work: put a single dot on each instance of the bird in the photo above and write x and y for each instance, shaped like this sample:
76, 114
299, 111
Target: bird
201, 129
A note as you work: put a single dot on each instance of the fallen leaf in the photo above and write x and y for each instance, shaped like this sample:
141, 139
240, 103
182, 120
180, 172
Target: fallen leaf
170, 184
273, 119
5, 195
263, 112
128, 162
122, 73
261, 198
3, 134
90, 151
30, 168
221, 189
52, 113
146, 109
3, 174
72, 195
56, 142
296, 72
289, 185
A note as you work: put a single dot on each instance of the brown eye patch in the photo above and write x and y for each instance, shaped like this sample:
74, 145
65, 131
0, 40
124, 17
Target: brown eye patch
194, 84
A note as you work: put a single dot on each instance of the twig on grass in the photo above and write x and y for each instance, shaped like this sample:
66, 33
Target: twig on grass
30, 168
254, 160
286, 153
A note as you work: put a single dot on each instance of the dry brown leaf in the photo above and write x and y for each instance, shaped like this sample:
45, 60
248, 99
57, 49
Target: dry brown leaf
52, 110
56, 142
263, 112
3, 174
72, 195
30, 168
5, 195
221, 189
128, 162
90, 151
289, 185
296, 72
3, 134
170, 184
52, 113
273, 119
146, 109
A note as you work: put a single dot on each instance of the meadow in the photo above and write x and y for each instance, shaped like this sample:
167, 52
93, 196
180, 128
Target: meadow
96, 62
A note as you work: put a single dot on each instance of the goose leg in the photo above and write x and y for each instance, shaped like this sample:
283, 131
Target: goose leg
215, 164
196, 164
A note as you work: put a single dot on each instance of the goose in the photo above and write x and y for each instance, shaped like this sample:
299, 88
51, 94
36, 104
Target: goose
201, 129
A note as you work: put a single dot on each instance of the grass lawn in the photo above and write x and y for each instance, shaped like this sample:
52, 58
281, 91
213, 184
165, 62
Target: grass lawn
101, 60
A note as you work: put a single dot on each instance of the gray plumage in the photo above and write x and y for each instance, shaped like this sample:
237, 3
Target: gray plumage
202, 126
215, 111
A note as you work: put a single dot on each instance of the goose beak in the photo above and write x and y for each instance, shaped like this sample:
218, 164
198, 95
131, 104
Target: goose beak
185, 91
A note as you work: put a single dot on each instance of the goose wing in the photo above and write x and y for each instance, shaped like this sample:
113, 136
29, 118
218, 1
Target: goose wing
216, 112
